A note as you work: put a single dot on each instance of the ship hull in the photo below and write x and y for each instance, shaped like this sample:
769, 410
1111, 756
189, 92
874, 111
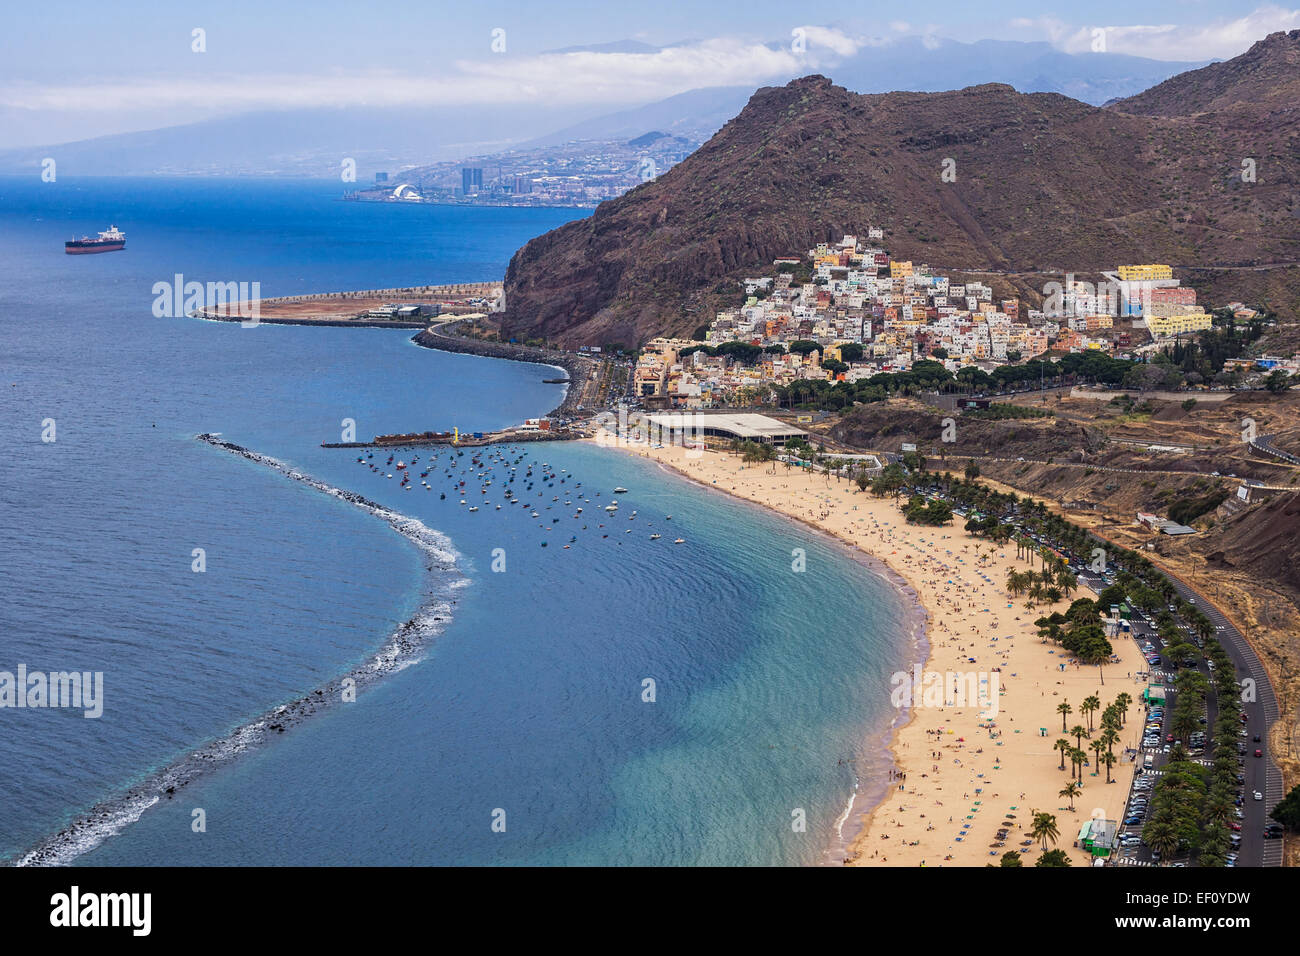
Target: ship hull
79, 249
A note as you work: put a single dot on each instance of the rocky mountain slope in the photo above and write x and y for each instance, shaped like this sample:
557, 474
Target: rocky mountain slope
1043, 184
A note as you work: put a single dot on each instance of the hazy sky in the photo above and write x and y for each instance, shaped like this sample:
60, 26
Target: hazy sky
70, 70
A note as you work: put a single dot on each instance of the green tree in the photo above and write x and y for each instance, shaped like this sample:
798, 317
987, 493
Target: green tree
1043, 827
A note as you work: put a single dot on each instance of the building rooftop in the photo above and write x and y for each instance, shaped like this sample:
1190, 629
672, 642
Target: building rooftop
753, 427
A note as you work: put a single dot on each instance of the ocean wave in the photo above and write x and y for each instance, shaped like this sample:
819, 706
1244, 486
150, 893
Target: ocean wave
108, 818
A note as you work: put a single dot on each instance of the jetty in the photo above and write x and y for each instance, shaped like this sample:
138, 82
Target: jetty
462, 439
407, 307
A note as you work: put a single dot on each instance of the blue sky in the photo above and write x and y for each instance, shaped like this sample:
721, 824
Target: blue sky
71, 69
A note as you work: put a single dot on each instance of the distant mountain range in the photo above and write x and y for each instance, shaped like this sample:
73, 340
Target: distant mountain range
314, 142
1044, 184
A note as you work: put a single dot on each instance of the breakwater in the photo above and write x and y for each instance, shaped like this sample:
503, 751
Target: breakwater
211, 316
579, 367
403, 647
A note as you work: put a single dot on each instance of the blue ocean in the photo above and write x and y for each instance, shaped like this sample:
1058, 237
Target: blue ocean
518, 731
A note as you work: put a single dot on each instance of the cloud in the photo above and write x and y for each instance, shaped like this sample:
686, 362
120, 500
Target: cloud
1221, 39
578, 77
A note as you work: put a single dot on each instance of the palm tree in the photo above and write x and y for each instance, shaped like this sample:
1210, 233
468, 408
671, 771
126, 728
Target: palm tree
1098, 748
1122, 702
1044, 828
1071, 790
1090, 705
1064, 709
1066, 581
1110, 739
1062, 745
1077, 757
1162, 837
1078, 732
1109, 760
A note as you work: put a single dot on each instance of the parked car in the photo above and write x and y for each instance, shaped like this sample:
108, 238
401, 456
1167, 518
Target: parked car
1258, 795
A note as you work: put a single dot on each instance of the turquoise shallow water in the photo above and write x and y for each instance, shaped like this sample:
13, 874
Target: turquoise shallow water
771, 685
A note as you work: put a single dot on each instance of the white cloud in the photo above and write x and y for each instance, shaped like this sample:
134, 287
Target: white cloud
568, 78
1221, 39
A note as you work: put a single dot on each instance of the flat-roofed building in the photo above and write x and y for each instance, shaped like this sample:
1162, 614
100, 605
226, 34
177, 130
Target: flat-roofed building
746, 427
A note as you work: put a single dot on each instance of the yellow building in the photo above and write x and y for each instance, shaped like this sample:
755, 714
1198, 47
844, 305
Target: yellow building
1145, 273
1178, 324
899, 269
1094, 322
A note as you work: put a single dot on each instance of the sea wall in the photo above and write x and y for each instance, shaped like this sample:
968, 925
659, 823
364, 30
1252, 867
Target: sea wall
280, 320
578, 367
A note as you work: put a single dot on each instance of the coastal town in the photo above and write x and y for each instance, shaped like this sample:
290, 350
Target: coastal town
847, 311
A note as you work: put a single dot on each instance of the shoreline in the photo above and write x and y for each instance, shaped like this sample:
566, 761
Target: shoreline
916, 619
949, 587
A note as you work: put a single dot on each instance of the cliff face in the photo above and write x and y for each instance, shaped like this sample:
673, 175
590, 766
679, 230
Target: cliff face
1042, 184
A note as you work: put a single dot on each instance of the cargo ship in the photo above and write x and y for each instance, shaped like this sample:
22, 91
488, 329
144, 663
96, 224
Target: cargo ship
110, 240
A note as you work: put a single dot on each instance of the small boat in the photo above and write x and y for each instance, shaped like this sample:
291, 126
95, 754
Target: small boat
474, 508
611, 508
620, 490
655, 537
680, 541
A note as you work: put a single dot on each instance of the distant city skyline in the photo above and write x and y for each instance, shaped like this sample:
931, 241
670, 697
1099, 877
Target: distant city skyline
77, 70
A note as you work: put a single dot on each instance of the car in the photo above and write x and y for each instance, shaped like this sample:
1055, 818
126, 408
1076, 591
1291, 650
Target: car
1258, 795
1234, 826
1256, 738
1132, 821
1258, 752
1169, 739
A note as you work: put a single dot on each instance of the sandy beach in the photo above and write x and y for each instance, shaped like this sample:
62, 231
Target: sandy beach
966, 772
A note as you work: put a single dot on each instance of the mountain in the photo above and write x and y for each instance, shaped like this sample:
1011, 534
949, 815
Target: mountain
298, 142
695, 115
312, 142
1044, 184
1265, 78
931, 64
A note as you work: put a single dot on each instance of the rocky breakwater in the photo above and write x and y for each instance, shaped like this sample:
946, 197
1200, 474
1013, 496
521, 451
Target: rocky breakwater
578, 367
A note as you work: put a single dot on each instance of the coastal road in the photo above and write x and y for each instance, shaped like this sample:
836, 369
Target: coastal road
1260, 774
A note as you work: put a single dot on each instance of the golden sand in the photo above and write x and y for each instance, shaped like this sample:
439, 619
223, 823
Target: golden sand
965, 776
